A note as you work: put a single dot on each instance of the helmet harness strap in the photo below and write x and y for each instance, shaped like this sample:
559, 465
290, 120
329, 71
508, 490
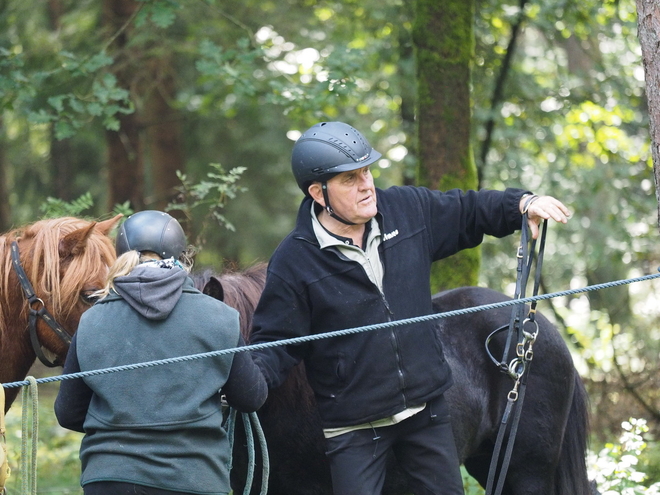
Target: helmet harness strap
328, 208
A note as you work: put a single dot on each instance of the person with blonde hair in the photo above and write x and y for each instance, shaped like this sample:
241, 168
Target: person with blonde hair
157, 430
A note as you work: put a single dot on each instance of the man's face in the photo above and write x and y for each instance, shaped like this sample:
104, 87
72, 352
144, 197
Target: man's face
353, 195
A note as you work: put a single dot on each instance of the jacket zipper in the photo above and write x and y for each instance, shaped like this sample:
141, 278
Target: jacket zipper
393, 339
390, 314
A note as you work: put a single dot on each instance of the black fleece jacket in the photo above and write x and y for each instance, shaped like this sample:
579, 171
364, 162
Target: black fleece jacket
371, 375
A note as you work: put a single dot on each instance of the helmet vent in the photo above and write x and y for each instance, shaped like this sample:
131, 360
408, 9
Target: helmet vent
329, 148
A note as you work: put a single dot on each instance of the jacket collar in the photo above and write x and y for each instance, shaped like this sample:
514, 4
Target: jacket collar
305, 230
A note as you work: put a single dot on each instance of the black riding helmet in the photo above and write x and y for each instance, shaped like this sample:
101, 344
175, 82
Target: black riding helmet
327, 149
154, 231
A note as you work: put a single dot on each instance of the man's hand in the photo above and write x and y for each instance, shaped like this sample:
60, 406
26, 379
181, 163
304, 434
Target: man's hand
542, 208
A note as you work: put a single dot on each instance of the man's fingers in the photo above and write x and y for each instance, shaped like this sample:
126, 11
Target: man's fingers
533, 227
547, 207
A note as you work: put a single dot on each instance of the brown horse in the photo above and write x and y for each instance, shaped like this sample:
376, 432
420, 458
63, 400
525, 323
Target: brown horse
64, 260
288, 418
550, 448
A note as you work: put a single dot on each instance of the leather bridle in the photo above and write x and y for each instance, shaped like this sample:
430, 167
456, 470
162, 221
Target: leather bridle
523, 332
37, 310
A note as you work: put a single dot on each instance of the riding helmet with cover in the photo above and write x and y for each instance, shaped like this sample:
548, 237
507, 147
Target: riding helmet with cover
154, 231
327, 149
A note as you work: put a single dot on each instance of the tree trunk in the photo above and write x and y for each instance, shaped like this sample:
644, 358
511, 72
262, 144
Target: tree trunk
125, 156
164, 134
408, 96
125, 164
443, 38
60, 150
55, 11
648, 31
5, 210
60, 163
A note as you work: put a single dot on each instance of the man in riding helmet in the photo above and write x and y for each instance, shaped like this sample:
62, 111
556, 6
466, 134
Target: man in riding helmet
360, 256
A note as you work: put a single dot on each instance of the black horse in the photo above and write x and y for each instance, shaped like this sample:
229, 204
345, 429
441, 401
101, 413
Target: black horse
549, 453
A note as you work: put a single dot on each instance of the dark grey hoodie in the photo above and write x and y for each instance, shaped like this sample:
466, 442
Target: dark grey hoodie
152, 291
158, 426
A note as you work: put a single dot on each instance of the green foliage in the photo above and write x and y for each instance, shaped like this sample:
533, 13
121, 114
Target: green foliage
572, 123
123, 209
11, 77
470, 485
161, 12
207, 198
615, 467
341, 74
54, 207
37, 94
230, 67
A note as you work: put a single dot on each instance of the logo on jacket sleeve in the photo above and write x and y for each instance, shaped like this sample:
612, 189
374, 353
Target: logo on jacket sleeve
389, 235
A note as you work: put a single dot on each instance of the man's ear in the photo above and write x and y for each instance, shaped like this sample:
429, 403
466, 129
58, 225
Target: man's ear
316, 192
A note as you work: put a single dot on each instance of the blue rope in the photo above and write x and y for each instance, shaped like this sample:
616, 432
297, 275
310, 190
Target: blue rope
337, 333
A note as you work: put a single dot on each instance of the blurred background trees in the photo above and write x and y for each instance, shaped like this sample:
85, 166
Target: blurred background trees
111, 98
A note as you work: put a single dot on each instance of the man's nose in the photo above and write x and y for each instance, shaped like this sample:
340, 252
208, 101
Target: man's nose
365, 180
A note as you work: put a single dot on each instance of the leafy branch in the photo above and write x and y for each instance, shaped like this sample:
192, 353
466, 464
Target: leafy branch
208, 196
55, 207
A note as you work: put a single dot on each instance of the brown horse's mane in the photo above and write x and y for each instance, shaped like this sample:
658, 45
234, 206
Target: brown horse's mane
241, 289
51, 277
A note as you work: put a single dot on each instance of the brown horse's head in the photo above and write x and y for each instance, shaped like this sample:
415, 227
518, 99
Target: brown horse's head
238, 289
241, 290
66, 260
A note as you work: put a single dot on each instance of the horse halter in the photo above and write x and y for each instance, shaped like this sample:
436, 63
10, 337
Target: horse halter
37, 310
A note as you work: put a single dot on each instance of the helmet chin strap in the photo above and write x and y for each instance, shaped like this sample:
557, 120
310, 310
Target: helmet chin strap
328, 208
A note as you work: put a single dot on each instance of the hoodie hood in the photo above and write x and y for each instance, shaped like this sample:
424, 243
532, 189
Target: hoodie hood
152, 290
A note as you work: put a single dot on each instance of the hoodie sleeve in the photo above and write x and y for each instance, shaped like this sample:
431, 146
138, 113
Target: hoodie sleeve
74, 395
246, 388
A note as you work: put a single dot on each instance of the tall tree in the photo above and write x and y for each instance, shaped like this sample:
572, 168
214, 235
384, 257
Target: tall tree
60, 149
5, 222
162, 123
648, 22
443, 37
5, 208
125, 149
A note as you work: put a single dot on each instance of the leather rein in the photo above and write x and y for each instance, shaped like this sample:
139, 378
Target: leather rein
522, 331
37, 310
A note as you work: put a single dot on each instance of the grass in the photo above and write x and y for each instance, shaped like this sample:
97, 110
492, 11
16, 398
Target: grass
58, 466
